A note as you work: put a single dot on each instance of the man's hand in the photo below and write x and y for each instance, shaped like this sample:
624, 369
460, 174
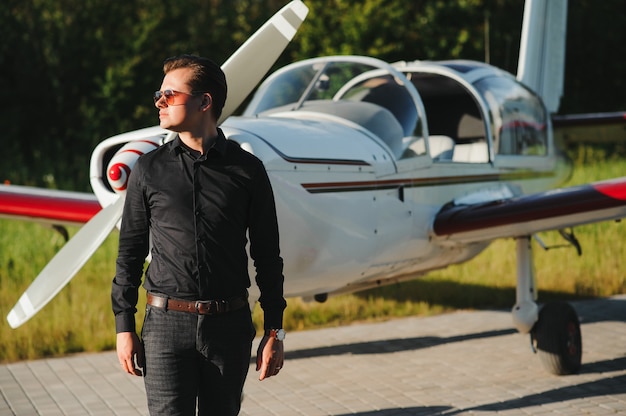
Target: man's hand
130, 353
270, 357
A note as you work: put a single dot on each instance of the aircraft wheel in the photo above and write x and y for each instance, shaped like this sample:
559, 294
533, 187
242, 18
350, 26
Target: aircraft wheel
557, 338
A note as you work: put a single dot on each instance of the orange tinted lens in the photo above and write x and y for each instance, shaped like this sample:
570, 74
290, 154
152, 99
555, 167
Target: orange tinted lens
170, 97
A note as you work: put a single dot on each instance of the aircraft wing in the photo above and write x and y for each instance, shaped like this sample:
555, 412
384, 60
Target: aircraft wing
46, 205
529, 214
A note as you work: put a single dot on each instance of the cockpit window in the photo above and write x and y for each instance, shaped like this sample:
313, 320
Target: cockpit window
518, 116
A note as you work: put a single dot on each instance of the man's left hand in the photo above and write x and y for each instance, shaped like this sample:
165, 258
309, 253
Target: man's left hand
270, 357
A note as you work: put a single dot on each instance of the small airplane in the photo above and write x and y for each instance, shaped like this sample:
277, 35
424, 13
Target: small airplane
381, 172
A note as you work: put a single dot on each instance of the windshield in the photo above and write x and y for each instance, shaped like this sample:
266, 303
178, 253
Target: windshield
354, 90
315, 81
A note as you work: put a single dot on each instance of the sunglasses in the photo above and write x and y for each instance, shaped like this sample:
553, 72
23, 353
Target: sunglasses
173, 97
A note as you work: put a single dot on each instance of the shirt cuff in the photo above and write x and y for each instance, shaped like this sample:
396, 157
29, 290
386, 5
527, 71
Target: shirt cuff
124, 322
273, 319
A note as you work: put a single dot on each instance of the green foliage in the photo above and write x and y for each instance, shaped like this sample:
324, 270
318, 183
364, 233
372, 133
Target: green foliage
81, 71
396, 30
595, 38
74, 72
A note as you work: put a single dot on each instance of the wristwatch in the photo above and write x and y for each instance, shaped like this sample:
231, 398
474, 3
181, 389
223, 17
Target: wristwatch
278, 334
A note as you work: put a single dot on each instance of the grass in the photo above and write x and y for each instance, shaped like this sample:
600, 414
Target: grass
79, 318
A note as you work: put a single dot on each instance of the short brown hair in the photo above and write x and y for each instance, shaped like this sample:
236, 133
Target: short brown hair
207, 77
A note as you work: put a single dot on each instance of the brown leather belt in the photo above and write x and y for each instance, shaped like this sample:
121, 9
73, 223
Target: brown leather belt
201, 307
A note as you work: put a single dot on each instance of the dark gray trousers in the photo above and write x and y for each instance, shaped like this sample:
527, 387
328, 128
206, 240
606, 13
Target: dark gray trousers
196, 361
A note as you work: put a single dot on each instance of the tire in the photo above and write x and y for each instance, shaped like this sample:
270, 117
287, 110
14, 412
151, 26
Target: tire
557, 338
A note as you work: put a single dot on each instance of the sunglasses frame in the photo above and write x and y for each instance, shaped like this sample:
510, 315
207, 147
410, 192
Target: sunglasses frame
170, 96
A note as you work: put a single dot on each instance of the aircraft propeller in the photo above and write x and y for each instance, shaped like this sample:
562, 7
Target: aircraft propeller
66, 263
244, 69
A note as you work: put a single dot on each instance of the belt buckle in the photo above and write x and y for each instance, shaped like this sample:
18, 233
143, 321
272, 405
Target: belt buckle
203, 307
211, 307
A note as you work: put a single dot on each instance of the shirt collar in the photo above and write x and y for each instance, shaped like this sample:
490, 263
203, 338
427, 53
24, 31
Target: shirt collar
219, 144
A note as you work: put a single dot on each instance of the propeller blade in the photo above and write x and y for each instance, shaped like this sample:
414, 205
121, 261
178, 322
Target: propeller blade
249, 64
66, 263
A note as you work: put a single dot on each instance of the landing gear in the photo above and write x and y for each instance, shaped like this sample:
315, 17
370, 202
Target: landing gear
554, 329
557, 339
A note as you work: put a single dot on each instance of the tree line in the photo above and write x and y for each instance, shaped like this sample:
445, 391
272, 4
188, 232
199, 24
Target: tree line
74, 72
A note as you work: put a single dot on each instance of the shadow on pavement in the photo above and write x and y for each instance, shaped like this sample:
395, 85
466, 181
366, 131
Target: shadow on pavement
391, 345
603, 387
589, 311
410, 411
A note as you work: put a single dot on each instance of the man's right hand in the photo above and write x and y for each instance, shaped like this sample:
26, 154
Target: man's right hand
130, 353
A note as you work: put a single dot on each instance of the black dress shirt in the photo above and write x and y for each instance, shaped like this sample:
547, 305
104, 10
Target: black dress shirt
195, 210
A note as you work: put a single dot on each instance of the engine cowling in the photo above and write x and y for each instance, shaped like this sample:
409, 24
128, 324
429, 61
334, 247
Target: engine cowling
118, 170
113, 160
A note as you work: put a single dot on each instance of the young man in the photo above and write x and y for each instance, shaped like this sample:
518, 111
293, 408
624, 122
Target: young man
192, 201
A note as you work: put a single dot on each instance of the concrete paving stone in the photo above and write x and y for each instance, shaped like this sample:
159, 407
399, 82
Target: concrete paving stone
462, 363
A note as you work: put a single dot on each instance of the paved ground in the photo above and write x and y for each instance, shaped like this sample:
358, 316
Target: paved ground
456, 364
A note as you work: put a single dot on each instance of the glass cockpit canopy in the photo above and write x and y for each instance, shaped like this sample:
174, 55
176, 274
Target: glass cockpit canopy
320, 84
519, 118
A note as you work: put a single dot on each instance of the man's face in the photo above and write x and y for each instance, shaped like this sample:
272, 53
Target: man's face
178, 109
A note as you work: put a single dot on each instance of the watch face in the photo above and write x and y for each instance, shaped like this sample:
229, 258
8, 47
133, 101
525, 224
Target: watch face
280, 334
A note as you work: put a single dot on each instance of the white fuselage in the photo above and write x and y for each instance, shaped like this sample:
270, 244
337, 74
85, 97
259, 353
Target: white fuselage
362, 156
